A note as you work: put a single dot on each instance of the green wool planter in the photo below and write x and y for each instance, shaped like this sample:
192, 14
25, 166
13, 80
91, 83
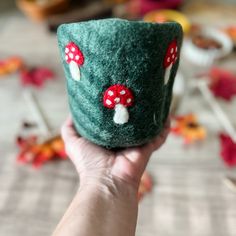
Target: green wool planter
120, 76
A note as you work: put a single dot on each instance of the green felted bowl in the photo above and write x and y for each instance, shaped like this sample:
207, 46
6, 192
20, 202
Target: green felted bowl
120, 76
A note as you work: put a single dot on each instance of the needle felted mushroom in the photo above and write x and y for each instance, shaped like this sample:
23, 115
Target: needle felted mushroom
118, 97
170, 59
121, 99
74, 57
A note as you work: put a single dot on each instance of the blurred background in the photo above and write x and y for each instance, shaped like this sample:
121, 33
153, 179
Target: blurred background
190, 184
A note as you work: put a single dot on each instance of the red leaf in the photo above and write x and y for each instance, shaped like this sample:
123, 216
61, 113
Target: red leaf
223, 84
36, 76
228, 150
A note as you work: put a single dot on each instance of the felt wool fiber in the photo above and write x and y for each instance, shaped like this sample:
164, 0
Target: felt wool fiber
129, 55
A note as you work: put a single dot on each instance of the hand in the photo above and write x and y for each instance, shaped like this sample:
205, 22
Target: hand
108, 180
96, 164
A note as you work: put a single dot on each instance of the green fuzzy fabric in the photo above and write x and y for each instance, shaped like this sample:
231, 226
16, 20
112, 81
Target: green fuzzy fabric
124, 52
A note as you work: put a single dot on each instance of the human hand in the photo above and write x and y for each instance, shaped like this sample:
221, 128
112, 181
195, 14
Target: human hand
96, 164
107, 202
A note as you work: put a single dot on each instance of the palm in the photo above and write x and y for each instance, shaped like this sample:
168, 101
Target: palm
93, 160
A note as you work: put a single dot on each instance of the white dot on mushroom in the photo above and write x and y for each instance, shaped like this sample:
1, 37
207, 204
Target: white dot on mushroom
117, 100
122, 92
173, 56
71, 55
172, 50
168, 59
108, 102
72, 49
77, 57
110, 93
129, 100
67, 50
66, 57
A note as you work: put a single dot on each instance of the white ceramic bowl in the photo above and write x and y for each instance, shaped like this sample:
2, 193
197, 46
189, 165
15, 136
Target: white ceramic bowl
206, 57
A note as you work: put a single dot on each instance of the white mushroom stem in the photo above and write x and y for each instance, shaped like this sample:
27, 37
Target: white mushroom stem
167, 73
74, 70
121, 115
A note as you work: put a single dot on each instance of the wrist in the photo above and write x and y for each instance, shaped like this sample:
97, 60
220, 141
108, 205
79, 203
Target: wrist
109, 186
111, 205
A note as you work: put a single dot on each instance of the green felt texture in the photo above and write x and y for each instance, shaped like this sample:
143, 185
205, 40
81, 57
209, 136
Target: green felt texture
124, 52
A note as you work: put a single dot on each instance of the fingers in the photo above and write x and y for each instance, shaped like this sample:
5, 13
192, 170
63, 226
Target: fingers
68, 132
140, 155
160, 140
168, 122
71, 140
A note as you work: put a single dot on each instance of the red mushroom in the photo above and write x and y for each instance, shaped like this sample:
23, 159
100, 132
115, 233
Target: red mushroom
170, 58
74, 57
119, 97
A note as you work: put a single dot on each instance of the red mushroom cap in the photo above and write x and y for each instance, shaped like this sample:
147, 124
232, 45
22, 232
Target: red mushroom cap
171, 54
118, 94
73, 53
